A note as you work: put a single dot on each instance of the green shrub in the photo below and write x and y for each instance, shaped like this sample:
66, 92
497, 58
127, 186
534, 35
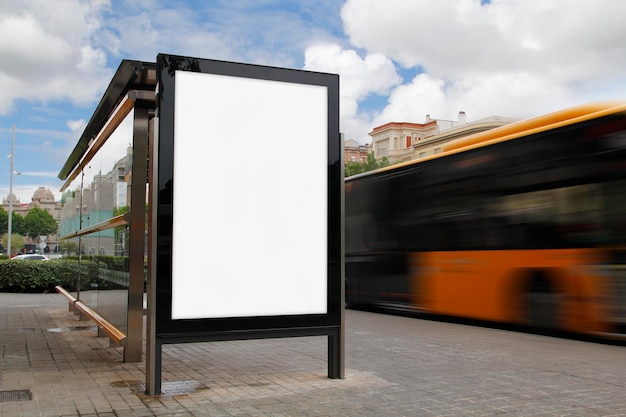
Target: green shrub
116, 263
40, 276
43, 276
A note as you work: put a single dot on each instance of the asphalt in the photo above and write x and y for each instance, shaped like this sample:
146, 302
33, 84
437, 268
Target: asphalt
53, 364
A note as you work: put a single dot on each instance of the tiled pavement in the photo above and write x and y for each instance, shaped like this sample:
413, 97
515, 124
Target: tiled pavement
395, 366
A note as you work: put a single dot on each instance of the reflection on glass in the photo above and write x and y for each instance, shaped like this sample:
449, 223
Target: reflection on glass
99, 194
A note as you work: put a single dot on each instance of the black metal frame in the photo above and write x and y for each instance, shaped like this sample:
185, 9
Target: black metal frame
164, 330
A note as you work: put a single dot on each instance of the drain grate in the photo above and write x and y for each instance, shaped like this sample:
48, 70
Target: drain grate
71, 329
15, 395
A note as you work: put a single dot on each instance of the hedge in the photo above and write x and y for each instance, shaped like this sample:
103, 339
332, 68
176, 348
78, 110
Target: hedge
34, 276
43, 276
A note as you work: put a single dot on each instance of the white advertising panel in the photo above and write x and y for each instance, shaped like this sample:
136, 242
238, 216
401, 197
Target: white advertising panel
251, 197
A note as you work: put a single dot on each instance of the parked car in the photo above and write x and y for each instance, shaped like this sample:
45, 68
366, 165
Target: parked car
31, 257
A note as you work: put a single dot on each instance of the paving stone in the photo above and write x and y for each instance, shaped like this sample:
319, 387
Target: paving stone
395, 366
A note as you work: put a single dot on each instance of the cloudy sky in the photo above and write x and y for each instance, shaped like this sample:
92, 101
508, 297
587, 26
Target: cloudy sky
398, 60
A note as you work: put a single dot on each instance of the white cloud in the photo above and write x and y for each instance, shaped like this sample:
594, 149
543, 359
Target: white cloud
114, 149
510, 58
518, 94
266, 33
39, 174
76, 125
46, 52
358, 78
411, 102
25, 192
451, 38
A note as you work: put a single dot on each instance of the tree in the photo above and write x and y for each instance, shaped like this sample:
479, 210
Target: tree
66, 196
17, 242
38, 222
117, 230
120, 210
69, 247
18, 224
4, 221
353, 168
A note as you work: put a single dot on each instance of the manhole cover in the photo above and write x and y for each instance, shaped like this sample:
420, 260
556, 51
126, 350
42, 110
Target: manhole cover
15, 395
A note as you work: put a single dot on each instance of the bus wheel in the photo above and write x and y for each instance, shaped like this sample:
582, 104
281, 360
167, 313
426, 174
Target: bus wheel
540, 303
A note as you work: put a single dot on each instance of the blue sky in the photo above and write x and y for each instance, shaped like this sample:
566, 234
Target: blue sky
398, 60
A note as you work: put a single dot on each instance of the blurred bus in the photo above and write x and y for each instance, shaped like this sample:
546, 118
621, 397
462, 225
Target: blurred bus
522, 224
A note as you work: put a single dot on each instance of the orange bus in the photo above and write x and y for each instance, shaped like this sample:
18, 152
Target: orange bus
522, 224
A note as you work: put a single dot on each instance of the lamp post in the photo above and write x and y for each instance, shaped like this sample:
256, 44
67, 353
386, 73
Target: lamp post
10, 222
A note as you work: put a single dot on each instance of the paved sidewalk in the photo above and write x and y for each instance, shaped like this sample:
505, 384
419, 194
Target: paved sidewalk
395, 366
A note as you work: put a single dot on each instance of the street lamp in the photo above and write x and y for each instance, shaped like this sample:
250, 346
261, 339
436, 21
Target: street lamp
10, 221
10, 225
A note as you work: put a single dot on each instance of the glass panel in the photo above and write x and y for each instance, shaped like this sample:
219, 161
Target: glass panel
102, 193
110, 196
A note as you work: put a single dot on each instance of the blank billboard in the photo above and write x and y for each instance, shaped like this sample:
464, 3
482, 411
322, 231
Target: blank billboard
249, 229
246, 207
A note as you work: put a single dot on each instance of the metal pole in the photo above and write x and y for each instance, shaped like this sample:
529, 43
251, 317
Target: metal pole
153, 346
10, 228
80, 227
137, 231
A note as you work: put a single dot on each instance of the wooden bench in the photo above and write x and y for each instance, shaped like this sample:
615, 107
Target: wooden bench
72, 300
115, 334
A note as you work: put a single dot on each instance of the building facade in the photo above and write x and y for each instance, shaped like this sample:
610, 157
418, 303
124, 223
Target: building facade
98, 203
354, 152
44, 199
405, 141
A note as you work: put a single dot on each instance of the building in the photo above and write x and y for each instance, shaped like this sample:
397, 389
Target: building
434, 144
44, 199
354, 152
100, 199
396, 140
405, 141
